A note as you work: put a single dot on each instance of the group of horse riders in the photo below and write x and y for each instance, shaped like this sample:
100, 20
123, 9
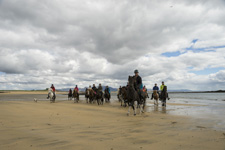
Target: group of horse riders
137, 85
156, 88
140, 88
96, 91
99, 89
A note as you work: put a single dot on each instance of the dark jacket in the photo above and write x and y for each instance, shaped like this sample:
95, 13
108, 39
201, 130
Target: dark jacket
138, 82
94, 88
156, 88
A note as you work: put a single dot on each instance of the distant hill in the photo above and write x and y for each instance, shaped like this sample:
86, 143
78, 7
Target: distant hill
180, 90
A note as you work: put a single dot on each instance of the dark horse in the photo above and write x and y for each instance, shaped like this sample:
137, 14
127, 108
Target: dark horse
107, 96
163, 96
99, 97
76, 96
70, 95
132, 95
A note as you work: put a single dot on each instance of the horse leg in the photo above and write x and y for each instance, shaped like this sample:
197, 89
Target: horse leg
134, 110
144, 103
98, 101
128, 113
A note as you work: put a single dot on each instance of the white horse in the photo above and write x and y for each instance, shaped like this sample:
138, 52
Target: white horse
51, 95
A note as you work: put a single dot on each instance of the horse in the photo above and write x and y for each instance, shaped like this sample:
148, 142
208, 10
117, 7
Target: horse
75, 96
99, 97
156, 97
119, 94
132, 95
70, 96
144, 97
124, 96
91, 95
107, 96
51, 95
164, 95
87, 94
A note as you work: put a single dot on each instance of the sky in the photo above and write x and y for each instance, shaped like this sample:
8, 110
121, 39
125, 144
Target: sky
81, 42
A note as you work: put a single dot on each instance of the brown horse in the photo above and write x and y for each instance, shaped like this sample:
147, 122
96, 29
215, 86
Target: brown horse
144, 97
87, 94
124, 96
75, 96
91, 95
156, 97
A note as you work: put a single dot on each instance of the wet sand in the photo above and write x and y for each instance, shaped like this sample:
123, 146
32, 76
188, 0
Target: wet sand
67, 125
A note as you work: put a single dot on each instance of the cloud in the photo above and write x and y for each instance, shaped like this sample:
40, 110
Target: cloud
85, 42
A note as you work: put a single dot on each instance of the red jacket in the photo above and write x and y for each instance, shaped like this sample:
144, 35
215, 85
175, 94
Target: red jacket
53, 88
76, 89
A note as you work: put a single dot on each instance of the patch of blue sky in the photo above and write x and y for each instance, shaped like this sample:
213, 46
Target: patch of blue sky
206, 71
211, 48
2, 73
192, 48
172, 54
194, 41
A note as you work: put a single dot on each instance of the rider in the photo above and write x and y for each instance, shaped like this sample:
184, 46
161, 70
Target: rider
139, 84
70, 92
155, 88
94, 88
53, 90
100, 87
108, 90
161, 88
145, 90
76, 89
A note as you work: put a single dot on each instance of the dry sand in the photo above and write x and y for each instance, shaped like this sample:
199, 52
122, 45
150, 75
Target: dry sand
26, 125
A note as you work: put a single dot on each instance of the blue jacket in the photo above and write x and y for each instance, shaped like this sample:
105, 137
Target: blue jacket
108, 89
155, 88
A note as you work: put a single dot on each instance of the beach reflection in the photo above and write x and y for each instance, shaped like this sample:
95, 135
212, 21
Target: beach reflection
156, 109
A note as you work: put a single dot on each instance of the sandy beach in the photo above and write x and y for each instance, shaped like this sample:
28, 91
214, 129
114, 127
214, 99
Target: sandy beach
66, 125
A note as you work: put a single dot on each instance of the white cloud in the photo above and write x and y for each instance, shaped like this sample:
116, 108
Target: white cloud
85, 42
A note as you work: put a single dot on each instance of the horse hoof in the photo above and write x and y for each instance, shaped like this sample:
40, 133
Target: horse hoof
127, 114
134, 114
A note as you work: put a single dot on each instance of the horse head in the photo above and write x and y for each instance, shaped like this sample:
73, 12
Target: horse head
131, 80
